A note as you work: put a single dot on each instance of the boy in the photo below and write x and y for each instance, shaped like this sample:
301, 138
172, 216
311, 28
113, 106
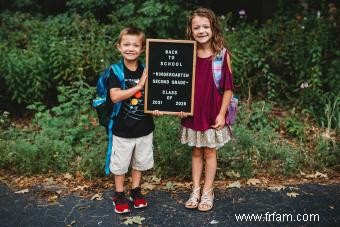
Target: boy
133, 131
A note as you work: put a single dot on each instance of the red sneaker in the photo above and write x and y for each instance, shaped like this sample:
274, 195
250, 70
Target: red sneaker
121, 203
138, 199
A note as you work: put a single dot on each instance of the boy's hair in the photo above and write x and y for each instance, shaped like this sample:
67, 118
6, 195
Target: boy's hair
217, 41
131, 31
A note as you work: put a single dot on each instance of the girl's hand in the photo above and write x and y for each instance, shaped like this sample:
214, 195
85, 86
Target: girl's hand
219, 122
182, 114
142, 80
156, 113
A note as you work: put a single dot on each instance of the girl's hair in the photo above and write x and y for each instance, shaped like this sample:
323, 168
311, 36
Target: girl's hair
217, 41
131, 31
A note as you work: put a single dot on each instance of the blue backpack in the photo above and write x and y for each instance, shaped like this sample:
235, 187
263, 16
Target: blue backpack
107, 113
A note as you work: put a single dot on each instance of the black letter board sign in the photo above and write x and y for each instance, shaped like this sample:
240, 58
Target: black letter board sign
171, 75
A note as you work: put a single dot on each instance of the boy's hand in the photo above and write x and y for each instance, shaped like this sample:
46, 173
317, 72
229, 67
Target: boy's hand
142, 80
156, 113
182, 114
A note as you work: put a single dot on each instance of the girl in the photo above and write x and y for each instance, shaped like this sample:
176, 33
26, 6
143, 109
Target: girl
206, 130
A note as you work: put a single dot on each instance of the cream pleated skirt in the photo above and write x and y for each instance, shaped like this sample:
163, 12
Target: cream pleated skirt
210, 138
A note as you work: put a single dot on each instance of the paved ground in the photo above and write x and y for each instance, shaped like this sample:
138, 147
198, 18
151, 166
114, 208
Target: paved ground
166, 209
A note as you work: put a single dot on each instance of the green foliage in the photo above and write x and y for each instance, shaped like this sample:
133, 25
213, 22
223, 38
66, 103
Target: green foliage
294, 127
41, 55
171, 157
289, 59
46, 63
59, 139
328, 152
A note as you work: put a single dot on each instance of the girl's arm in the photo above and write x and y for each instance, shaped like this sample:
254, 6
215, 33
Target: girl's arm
117, 94
220, 119
227, 94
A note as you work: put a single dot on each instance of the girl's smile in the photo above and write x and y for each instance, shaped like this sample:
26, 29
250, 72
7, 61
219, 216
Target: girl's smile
201, 29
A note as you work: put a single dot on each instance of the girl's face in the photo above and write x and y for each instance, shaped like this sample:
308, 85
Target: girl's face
130, 47
201, 30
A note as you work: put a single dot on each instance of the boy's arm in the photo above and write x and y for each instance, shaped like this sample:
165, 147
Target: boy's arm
117, 94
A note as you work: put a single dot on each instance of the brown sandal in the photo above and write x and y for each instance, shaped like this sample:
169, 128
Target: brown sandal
207, 200
193, 200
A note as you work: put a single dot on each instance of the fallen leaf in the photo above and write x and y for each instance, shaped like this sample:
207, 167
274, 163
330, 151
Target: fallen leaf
72, 223
97, 197
148, 186
277, 188
81, 187
22, 191
214, 222
49, 181
316, 175
294, 188
265, 180
155, 179
233, 174
169, 186
68, 176
253, 181
235, 184
292, 194
52, 198
134, 219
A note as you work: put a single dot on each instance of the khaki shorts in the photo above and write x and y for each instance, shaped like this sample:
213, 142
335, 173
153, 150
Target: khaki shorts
137, 151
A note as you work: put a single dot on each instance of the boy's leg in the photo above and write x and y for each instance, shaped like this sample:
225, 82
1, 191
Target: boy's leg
119, 182
136, 177
122, 149
142, 160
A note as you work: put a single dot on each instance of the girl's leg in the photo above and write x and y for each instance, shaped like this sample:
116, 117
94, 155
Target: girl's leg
196, 166
207, 198
210, 167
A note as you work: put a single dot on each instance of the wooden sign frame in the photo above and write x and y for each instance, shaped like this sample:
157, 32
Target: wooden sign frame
177, 65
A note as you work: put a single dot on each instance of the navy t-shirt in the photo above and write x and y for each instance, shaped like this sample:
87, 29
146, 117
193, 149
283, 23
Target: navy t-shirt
132, 122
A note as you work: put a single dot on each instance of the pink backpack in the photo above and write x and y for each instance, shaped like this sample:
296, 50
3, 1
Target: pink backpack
217, 73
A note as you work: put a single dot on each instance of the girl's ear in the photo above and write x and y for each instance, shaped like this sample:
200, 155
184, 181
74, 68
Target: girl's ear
118, 46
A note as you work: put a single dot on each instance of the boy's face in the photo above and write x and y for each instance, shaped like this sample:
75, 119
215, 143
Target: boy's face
130, 47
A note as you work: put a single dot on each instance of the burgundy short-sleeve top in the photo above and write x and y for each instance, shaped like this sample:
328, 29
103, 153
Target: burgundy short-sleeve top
207, 100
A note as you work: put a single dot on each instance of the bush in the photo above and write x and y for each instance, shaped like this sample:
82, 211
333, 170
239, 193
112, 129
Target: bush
299, 69
59, 138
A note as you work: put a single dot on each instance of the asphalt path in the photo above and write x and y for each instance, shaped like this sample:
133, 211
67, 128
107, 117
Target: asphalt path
313, 205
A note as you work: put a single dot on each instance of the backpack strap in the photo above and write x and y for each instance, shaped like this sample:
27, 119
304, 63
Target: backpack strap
217, 65
118, 70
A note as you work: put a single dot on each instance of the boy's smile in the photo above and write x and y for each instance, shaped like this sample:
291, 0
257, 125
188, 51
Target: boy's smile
201, 29
130, 47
